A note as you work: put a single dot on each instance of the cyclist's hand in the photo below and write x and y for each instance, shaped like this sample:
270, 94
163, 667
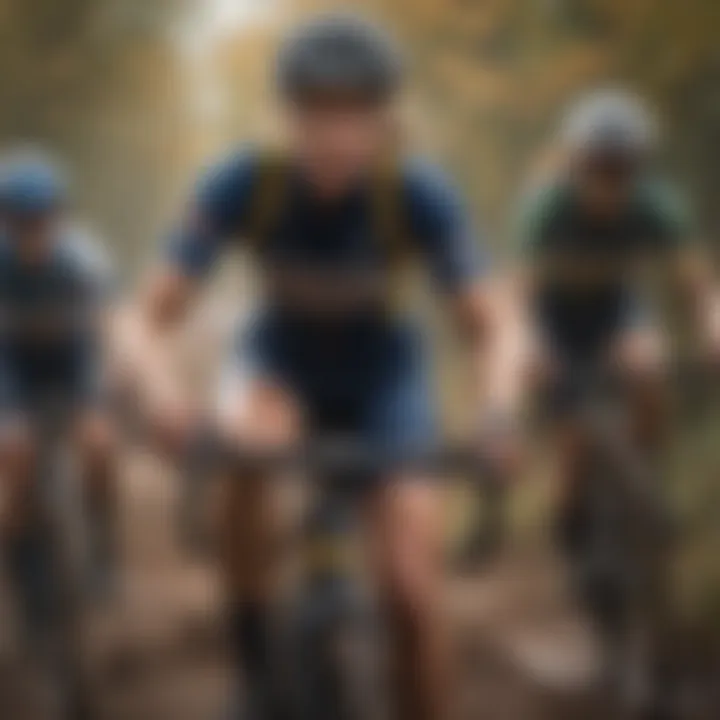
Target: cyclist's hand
171, 419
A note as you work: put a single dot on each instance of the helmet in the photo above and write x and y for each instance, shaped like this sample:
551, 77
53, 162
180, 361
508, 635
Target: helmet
31, 184
339, 54
612, 124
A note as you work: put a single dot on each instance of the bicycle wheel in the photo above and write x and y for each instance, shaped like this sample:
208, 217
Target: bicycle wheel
620, 577
335, 657
62, 514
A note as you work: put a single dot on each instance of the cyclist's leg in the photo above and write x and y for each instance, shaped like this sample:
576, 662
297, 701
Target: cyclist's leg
263, 413
18, 461
95, 444
574, 458
253, 409
406, 541
23, 542
639, 354
79, 382
17, 447
405, 531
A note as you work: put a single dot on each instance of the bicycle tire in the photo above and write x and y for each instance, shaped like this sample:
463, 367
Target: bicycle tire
61, 493
618, 578
334, 660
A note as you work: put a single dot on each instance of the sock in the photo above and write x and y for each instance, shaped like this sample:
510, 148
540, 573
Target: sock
249, 637
251, 647
102, 566
29, 567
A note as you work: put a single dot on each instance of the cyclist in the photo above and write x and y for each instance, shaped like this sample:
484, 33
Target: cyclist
586, 228
323, 351
53, 285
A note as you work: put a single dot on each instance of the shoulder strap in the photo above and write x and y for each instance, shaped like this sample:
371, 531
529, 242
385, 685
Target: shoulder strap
389, 212
269, 195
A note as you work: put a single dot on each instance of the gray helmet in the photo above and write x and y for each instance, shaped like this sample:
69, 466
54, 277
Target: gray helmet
612, 123
339, 55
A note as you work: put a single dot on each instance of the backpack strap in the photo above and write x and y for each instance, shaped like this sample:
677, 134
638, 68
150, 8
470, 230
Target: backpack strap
392, 230
389, 212
269, 195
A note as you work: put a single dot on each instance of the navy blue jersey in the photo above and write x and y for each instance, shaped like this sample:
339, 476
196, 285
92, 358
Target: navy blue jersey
587, 286
334, 239
50, 306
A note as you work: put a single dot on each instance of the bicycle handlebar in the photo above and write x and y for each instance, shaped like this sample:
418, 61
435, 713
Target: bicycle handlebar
339, 455
598, 377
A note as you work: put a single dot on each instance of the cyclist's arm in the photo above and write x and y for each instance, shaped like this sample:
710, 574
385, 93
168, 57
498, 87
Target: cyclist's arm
696, 282
97, 281
491, 313
146, 328
143, 330
503, 305
483, 303
98, 287
692, 271
530, 228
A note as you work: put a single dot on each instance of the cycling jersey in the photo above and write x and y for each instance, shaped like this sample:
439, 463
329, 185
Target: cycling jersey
585, 285
323, 240
49, 319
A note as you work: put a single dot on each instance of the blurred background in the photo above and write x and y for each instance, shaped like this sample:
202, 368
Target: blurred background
136, 95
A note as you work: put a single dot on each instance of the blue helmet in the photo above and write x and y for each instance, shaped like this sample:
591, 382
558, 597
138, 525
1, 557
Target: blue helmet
31, 185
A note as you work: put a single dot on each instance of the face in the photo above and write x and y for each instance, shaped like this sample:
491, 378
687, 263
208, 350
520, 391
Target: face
339, 142
33, 237
605, 186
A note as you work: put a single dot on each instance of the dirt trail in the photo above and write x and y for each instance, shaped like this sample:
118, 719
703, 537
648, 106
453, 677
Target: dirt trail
160, 655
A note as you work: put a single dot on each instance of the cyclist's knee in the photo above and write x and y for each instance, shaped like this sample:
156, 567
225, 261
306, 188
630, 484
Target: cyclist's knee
641, 358
408, 553
574, 456
97, 446
17, 448
574, 444
18, 458
252, 410
542, 368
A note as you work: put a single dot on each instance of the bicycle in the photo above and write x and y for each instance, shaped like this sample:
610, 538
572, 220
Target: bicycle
619, 568
330, 632
52, 592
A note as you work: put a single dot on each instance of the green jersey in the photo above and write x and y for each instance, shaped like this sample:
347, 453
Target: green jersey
553, 223
585, 267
